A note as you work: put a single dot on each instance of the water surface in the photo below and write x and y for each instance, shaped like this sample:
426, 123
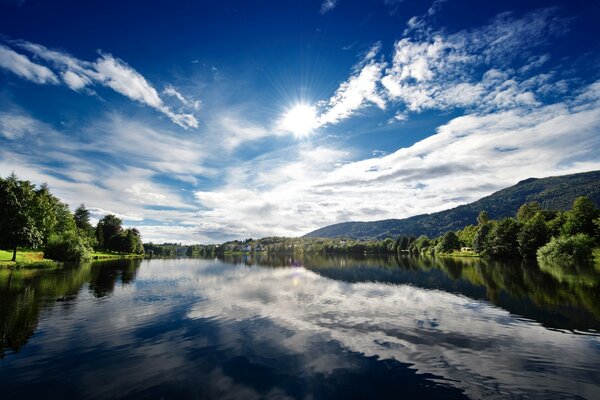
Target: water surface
312, 327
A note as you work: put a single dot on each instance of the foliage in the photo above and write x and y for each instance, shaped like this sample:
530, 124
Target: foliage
19, 226
480, 240
67, 246
449, 243
483, 218
568, 250
109, 226
82, 221
502, 240
581, 218
420, 245
467, 235
32, 218
533, 235
127, 241
528, 211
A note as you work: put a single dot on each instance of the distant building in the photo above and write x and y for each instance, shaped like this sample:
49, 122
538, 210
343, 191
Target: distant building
466, 249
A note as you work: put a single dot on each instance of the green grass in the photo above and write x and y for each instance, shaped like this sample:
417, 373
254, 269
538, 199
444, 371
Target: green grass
24, 258
461, 254
105, 255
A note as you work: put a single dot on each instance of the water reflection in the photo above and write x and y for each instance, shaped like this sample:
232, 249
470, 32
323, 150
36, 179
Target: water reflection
24, 292
279, 327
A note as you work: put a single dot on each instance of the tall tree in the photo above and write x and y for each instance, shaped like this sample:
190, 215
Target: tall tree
503, 239
449, 243
581, 218
483, 218
528, 211
533, 235
18, 225
82, 219
109, 226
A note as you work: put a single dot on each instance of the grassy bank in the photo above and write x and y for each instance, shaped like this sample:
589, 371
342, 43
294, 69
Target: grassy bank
461, 254
24, 258
34, 258
105, 255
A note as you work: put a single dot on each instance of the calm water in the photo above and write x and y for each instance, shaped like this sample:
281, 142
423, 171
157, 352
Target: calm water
314, 327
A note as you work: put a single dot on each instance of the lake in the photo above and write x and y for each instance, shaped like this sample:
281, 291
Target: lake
312, 327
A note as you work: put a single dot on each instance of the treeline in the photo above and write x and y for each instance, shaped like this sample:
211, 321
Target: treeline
32, 217
558, 236
286, 245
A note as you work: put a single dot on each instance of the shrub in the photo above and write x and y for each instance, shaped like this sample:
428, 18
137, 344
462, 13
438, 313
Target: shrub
571, 250
67, 246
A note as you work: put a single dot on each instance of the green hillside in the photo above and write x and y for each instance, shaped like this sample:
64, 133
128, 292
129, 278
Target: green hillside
553, 193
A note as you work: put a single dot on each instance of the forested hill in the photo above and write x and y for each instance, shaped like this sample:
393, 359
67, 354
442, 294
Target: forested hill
553, 193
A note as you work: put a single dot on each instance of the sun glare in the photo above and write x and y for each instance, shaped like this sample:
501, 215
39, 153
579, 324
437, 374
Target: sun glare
301, 120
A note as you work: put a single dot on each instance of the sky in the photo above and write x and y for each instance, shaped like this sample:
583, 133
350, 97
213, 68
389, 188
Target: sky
200, 122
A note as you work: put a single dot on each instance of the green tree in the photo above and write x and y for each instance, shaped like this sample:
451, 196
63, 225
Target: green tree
581, 218
449, 243
18, 224
503, 239
483, 218
82, 220
528, 211
568, 250
467, 235
108, 227
481, 238
404, 242
533, 235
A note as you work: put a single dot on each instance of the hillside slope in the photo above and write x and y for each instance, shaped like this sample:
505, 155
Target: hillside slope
553, 193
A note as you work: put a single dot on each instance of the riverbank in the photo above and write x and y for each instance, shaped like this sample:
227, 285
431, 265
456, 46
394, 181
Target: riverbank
105, 255
24, 258
34, 258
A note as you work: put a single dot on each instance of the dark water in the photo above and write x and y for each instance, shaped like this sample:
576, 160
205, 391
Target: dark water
314, 328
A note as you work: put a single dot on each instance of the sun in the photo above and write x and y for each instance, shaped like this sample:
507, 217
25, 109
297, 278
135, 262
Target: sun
301, 120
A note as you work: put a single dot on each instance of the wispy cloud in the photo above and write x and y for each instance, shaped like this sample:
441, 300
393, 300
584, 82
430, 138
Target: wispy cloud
360, 90
461, 162
487, 68
79, 75
328, 5
21, 65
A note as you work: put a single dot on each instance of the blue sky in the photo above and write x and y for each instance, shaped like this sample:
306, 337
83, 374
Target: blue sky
207, 121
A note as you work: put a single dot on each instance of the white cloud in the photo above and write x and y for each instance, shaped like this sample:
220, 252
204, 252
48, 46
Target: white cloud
481, 69
464, 161
360, 90
328, 5
107, 71
21, 65
171, 91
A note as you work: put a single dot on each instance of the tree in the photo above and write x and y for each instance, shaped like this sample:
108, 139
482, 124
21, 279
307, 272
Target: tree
502, 239
480, 241
108, 227
449, 243
581, 218
568, 250
467, 235
82, 220
533, 235
18, 225
420, 244
528, 211
404, 242
483, 218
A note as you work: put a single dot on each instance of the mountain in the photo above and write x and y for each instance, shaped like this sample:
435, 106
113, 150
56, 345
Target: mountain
553, 193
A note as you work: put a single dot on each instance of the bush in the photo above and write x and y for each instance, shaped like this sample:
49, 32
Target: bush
67, 246
570, 250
